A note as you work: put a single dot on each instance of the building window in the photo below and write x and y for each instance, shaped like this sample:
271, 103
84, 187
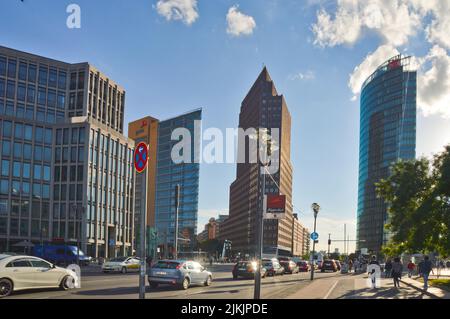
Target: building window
62, 80
52, 78
32, 73
43, 76
5, 168
12, 66
22, 71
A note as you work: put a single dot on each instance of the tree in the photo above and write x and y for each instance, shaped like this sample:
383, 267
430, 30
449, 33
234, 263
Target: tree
418, 196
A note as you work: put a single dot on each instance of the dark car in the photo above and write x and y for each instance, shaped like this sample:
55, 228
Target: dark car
328, 265
181, 273
273, 267
247, 269
303, 266
289, 266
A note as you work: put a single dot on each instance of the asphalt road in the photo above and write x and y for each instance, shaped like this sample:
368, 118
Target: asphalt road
96, 285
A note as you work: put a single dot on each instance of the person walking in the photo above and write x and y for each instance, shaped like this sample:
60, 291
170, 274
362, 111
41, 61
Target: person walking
411, 267
425, 267
350, 265
374, 271
388, 268
397, 269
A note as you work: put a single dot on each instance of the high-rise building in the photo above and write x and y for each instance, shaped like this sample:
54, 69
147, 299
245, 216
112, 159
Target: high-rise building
261, 108
387, 134
164, 175
66, 167
146, 130
212, 228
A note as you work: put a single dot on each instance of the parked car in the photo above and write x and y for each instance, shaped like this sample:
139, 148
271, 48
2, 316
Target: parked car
273, 267
328, 265
303, 266
181, 273
25, 272
121, 264
289, 266
247, 269
61, 254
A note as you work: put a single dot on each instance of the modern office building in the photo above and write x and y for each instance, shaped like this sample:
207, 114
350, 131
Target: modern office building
387, 134
146, 130
66, 168
300, 238
164, 175
212, 229
261, 108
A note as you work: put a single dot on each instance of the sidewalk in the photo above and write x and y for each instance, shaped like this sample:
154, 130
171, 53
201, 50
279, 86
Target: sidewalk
432, 291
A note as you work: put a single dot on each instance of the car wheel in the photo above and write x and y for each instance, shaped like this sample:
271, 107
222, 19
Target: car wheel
185, 284
6, 287
208, 281
124, 270
154, 285
64, 285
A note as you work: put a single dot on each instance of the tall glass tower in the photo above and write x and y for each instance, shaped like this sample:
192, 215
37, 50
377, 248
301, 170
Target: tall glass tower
186, 175
387, 134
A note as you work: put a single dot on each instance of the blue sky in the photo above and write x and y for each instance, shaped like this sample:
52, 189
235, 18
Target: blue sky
171, 66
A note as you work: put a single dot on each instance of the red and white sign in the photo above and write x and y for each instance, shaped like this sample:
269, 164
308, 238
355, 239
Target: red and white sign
141, 157
274, 206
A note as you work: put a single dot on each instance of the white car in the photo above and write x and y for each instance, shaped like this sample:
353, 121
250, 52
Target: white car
121, 264
25, 272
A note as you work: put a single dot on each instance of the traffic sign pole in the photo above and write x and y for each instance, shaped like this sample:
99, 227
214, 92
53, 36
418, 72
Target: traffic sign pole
140, 164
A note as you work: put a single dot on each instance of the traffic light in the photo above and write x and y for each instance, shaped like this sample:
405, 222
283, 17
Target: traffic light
329, 241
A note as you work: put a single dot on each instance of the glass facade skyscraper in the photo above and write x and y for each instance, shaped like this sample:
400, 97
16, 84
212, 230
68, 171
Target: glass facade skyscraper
163, 174
387, 134
66, 168
168, 175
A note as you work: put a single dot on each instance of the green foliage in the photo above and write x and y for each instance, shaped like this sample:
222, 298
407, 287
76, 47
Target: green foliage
418, 197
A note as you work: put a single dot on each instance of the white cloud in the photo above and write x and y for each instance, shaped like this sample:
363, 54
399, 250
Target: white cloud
396, 22
368, 66
184, 10
438, 29
393, 20
239, 23
434, 84
300, 76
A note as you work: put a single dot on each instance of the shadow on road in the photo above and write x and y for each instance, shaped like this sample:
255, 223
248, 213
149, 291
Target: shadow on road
378, 293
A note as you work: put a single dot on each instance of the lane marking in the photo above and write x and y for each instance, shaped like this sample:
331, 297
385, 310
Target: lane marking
331, 290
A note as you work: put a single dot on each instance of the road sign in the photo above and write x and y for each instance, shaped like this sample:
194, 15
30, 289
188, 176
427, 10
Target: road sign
141, 157
274, 206
314, 236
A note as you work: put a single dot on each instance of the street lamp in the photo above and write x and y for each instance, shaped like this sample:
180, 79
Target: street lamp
267, 143
315, 207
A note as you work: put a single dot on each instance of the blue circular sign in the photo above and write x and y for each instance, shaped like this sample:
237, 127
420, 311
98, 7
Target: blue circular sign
314, 236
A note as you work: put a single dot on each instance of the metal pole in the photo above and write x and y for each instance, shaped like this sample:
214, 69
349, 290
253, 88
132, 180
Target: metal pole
143, 236
78, 237
177, 201
329, 244
314, 249
345, 239
260, 238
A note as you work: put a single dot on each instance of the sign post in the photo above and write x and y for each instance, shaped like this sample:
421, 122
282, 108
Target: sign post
140, 164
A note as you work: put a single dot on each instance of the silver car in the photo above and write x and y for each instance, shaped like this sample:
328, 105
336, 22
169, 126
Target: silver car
181, 273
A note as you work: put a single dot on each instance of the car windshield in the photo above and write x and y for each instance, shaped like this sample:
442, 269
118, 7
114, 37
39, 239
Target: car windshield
166, 265
118, 259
